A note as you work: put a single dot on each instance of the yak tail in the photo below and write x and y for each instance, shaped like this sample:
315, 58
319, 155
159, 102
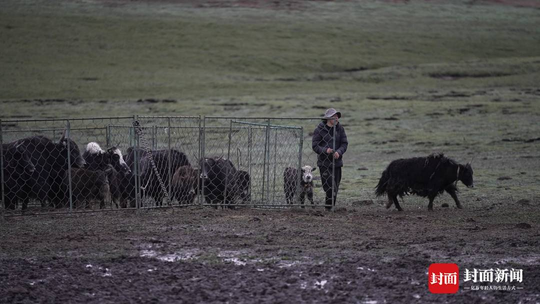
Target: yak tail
380, 189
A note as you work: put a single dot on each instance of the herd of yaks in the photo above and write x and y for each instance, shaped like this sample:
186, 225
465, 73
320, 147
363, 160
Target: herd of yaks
40, 169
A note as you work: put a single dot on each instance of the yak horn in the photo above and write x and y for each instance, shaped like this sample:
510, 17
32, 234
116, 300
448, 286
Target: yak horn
239, 156
63, 135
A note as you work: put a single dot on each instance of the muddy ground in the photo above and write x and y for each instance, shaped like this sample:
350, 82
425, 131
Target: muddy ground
363, 254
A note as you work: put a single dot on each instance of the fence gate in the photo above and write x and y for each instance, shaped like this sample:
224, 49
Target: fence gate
258, 151
161, 146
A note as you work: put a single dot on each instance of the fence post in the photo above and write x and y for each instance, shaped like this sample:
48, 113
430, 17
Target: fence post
2, 165
70, 183
132, 136
199, 186
108, 136
275, 165
230, 140
228, 159
136, 124
170, 160
154, 134
268, 161
300, 151
202, 159
266, 165
250, 143
334, 167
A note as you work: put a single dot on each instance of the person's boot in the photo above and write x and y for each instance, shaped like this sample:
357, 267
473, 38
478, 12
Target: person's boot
328, 205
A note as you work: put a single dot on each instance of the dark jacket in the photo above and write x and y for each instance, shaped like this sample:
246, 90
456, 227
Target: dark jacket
323, 138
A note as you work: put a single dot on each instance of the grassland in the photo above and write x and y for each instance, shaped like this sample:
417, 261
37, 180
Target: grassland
411, 78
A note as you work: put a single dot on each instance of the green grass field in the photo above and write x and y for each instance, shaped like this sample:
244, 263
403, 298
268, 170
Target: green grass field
412, 78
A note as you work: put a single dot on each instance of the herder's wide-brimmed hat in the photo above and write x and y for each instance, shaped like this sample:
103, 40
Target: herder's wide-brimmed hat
331, 112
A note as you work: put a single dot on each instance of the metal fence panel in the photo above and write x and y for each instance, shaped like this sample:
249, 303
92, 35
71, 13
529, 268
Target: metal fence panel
264, 151
57, 180
161, 162
308, 156
168, 151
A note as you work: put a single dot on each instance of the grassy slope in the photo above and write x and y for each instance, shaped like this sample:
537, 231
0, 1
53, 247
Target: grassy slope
294, 62
128, 52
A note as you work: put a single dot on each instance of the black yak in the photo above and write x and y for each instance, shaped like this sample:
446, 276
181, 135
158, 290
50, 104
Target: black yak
17, 169
50, 160
185, 184
291, 177
118, 172
88, 186
242, 186
423, 176
149, 181
98, 159
219, 183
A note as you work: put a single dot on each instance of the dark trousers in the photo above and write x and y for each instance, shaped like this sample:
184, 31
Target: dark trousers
327, 176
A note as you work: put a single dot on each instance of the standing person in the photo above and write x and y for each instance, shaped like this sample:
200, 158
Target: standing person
330, 143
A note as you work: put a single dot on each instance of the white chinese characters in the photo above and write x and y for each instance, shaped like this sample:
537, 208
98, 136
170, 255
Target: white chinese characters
491, 275
444, 278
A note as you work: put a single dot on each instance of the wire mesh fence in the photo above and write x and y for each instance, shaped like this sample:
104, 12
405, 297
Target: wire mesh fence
308, 157
53, 150
67, 165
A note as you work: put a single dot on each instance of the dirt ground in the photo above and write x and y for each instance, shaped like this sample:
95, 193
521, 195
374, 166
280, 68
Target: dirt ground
363, 254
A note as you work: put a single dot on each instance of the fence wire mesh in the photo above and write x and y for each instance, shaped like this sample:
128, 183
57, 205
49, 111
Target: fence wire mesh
164, 156
53, 149
308, 156
61, 165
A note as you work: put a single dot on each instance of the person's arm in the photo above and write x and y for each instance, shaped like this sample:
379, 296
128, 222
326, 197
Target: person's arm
316, 140
344, 143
